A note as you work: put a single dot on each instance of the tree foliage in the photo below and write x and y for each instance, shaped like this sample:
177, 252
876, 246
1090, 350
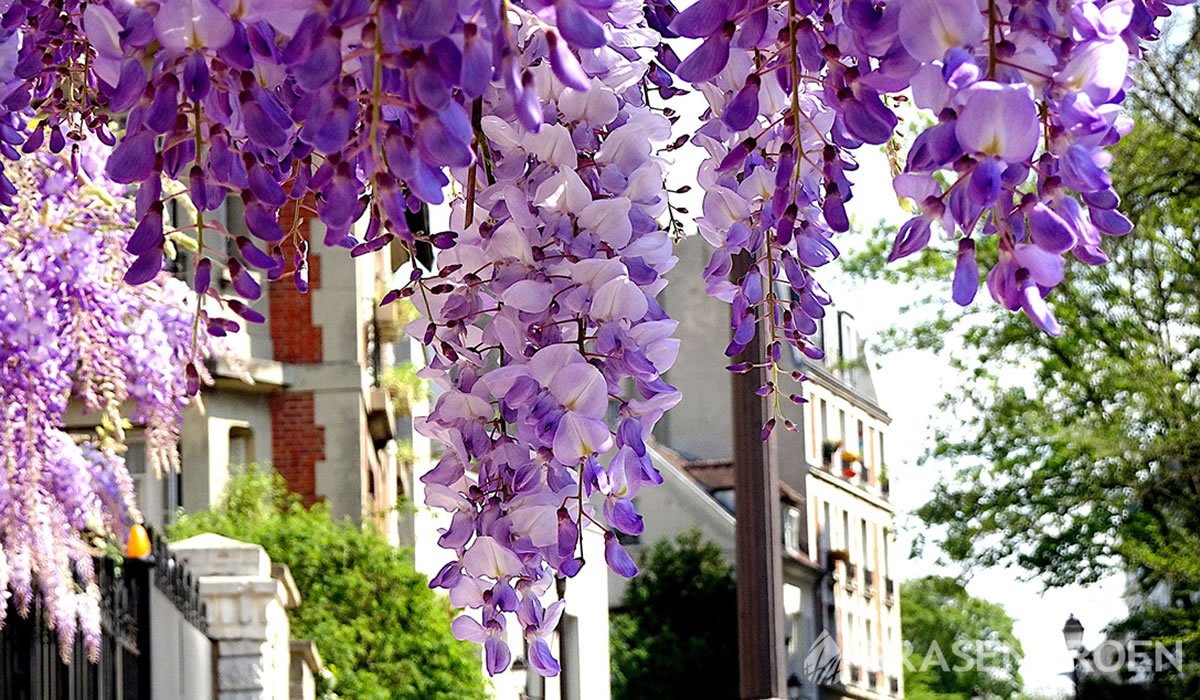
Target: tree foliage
675, 634
958, 646
380, 630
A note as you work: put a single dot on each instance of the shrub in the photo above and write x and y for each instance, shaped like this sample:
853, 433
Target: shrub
379, 628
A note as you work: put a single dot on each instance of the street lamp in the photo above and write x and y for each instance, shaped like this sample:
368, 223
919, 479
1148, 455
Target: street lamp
795, 688
1073, 634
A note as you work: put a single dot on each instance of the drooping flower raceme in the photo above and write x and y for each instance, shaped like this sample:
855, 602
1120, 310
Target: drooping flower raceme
72, 330
1026, 97
545, 331
542, 122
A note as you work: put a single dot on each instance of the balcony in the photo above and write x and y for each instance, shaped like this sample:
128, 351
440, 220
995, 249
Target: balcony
851, 576
889, 592
868, 583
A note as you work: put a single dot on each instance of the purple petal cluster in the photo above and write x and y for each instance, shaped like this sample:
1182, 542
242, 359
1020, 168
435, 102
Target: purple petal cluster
1025, 96
541, 318
547, 340
342, 108
72, 330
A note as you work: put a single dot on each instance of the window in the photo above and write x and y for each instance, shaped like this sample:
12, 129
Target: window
812, 429
827, 529
865, 546
241, 447
176, 215
842, 428
884, 564
726, 498
870, 646
846, 531
157, 497
569, 658
824, 420
791, 529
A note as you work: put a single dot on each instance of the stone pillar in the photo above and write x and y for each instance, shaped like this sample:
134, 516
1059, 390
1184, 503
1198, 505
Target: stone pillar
247, 602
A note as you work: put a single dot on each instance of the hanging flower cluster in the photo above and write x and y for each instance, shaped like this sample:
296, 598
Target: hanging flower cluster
72, 330
1026, 96
544, 327
546, 120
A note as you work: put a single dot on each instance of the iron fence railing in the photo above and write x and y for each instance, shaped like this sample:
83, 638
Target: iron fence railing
31, 667
178, 584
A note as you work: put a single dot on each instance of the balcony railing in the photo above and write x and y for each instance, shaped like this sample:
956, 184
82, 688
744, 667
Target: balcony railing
889, 592
868, 583
855, 673
851, 576
872, 679
894, 685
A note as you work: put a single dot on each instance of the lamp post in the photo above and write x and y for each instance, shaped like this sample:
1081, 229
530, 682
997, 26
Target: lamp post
1073, 636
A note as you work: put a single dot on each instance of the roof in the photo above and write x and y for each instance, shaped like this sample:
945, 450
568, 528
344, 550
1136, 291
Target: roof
713, 475
717, 475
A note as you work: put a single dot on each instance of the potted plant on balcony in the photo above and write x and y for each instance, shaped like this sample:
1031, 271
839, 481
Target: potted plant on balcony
828, 449
848, 461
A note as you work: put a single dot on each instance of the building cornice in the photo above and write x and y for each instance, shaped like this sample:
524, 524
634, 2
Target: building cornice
826, 380
877, 501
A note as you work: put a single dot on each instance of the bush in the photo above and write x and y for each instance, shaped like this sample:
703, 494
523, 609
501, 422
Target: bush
379, 628
675, 635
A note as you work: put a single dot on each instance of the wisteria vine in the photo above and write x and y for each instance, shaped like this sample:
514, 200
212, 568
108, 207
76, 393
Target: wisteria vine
544, 125
71, 330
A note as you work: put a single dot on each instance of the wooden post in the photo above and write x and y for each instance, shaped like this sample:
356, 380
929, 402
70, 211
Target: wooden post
759, 536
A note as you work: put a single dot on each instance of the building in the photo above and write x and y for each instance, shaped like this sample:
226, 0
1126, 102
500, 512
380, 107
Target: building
300, 391
838, 524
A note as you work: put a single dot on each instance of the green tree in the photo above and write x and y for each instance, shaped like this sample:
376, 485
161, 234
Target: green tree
380, 629
958, 646
1093, 465
675, 634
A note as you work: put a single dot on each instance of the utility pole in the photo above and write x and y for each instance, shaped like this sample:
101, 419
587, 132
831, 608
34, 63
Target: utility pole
759, 536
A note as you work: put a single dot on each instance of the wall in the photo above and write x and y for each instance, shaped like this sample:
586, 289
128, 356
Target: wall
676, 506
581, 644
182, 656
699, 427
204, 441
863, 606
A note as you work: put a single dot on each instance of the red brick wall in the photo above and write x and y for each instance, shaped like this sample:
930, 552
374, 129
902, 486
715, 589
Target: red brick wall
297, 442
293, 334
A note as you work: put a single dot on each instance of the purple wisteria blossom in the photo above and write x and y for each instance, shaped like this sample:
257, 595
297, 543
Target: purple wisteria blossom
544, 125
72, 330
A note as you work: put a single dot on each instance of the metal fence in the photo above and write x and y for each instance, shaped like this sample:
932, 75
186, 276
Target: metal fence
156, 598
32, 669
